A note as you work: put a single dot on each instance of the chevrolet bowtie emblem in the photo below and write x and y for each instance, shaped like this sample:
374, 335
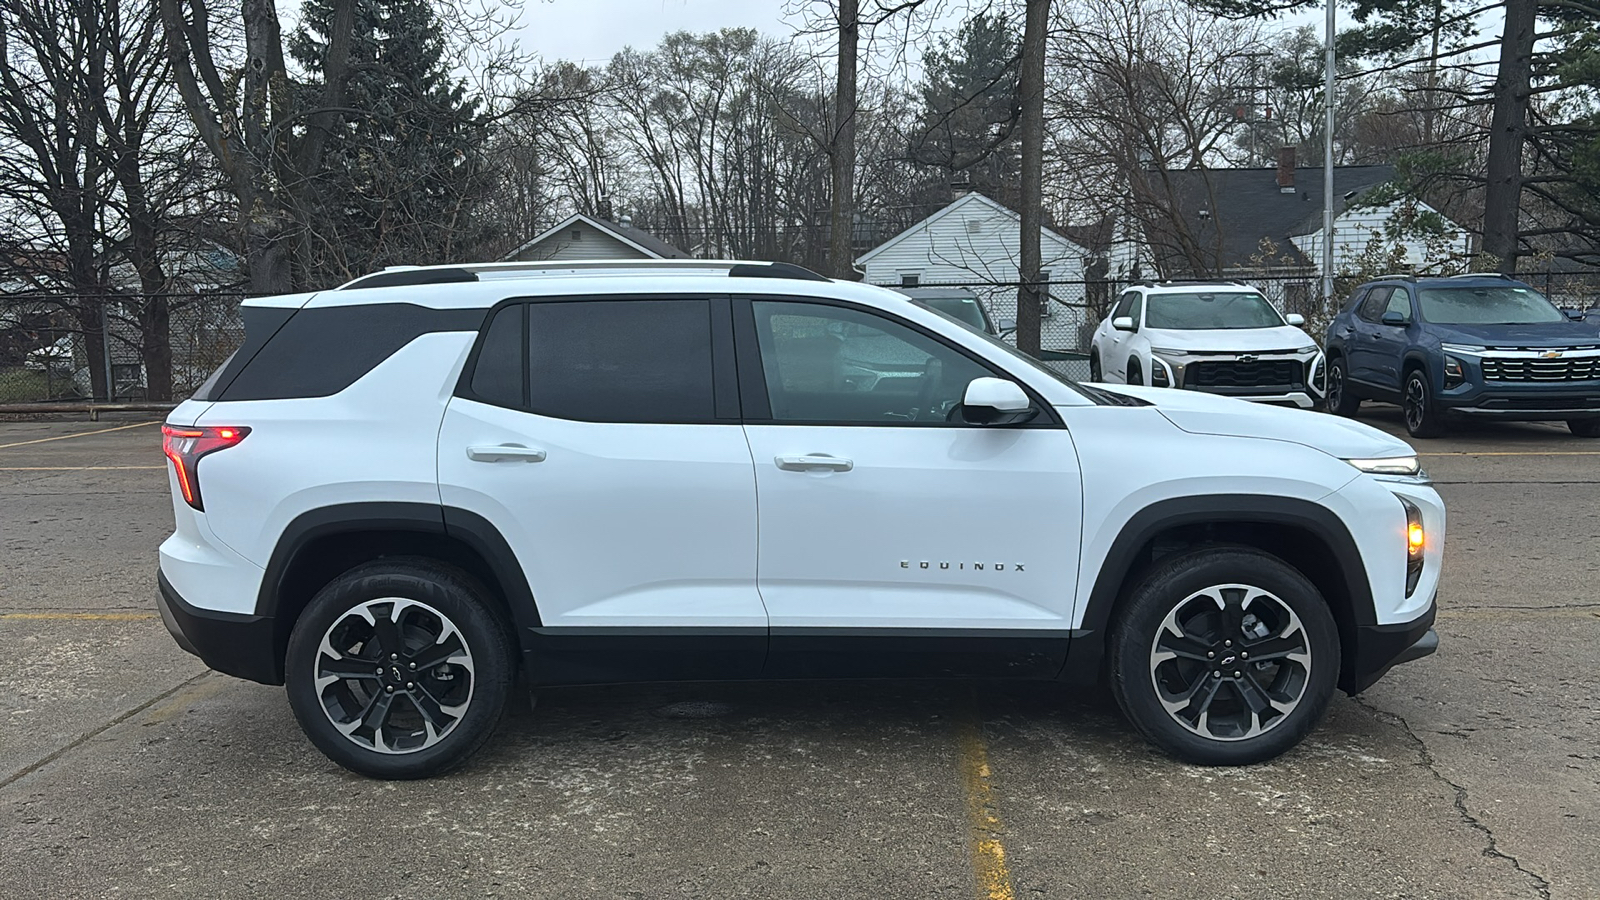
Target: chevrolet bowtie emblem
1551, 354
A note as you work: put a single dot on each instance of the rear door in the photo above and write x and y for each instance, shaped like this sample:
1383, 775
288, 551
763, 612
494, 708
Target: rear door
600, 436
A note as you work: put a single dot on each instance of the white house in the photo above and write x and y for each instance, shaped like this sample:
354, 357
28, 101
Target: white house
580, 237
974, 243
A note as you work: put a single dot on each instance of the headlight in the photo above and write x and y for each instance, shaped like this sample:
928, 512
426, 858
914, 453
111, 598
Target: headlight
1389, 465
1454, 372
1470, 349
1166, 351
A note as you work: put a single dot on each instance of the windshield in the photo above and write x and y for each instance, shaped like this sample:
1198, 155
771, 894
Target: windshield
963, 309
1492, 305
1211, 310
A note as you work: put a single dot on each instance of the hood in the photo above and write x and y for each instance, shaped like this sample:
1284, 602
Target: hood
1547, 334
1201, 413
1283, 337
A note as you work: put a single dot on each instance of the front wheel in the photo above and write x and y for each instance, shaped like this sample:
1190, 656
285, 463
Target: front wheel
1094, 368
1584, 427
1424, 419
399, 669
1224, 656
1339, 400
1135, 373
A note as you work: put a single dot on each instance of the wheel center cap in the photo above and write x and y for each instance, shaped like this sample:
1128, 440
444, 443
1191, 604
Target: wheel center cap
394, 674
1229, 660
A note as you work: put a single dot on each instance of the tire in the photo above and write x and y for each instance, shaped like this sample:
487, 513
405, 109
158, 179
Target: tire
1584, 427
437, 714
1135, 373
1339, 400
1423, 417
1224, 716
1094, 367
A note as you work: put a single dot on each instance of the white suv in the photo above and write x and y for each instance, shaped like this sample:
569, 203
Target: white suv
400, 495
1218, 337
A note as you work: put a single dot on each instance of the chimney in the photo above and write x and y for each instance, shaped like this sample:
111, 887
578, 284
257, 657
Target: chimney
1286, 170
962, 187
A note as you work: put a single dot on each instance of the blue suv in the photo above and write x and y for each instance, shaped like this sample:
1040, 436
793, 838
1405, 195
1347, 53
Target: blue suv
1478, 345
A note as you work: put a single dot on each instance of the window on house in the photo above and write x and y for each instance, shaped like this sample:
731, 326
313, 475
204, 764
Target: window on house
909, 279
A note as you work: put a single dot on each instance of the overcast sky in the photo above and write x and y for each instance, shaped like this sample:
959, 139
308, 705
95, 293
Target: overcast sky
592, 31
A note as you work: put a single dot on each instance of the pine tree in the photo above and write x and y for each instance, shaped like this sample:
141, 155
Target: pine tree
402, 171
967, 130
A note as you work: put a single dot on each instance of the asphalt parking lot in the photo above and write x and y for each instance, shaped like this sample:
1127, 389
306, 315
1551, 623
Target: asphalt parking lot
128, 770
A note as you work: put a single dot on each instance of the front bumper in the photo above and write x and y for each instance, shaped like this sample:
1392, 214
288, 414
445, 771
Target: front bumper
1380, 648
244, 646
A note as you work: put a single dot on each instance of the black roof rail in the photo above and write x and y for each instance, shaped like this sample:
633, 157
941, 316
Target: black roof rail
1395, 276
774, 270
400, 277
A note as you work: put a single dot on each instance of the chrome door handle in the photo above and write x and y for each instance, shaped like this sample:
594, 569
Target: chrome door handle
814, 461
505, 453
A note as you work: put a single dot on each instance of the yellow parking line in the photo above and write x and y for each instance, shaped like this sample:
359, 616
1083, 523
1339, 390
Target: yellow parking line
76, 468
983, 816
1514, 612
62, 437
78, 617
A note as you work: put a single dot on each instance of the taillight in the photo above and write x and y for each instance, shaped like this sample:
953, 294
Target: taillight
185, 447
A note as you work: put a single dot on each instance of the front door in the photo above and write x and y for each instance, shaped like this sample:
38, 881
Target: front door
597, 437
894, 538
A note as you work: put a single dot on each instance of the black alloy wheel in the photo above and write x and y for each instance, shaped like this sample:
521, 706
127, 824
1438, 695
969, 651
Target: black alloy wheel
1341, 402
1423, 418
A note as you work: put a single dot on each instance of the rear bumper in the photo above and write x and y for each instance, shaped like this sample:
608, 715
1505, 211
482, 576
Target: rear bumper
1380, 648
232, 643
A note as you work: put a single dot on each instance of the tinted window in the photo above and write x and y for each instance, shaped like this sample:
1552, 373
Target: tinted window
1124, 303
1399, 302
498, 377
1377, 301
621, 360
832, 364
1136, 310
1487, 306
1204, 310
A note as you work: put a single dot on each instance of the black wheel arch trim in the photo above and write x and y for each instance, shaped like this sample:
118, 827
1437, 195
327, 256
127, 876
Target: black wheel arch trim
474, 531
1122, 559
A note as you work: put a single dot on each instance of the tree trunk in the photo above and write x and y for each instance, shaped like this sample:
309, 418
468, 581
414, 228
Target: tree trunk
1030, 91
843, 153
1508, 128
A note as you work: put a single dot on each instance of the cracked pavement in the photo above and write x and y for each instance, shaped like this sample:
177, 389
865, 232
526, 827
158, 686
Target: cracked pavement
127, 770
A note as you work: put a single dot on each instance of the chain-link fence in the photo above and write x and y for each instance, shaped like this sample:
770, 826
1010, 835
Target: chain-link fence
57, 347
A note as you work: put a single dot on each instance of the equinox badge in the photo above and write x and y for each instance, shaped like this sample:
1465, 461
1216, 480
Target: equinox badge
976, 566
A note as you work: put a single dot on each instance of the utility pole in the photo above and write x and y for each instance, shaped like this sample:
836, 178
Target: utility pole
1327, 162
1030, 88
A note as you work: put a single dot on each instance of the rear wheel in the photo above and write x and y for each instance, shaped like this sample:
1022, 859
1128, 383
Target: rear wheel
399, 669
1584, 427
1224, 656
1340, 401
1424, 419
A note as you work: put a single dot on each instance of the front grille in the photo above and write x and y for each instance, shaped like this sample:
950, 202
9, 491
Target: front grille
1258, 373
1578, 368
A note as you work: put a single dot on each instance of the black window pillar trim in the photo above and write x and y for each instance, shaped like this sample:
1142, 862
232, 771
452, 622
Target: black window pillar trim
1121, 562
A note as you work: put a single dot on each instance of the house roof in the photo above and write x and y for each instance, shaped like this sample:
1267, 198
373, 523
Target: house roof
1246, 205
643, 241
972, 198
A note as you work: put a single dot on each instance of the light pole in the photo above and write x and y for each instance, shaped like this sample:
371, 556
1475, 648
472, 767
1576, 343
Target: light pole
1327, 162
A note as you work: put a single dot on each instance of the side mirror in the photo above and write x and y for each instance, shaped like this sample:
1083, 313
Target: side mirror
1295, 319
1006, 326
1575, 315
995, 401
1122, 323
1393, 318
